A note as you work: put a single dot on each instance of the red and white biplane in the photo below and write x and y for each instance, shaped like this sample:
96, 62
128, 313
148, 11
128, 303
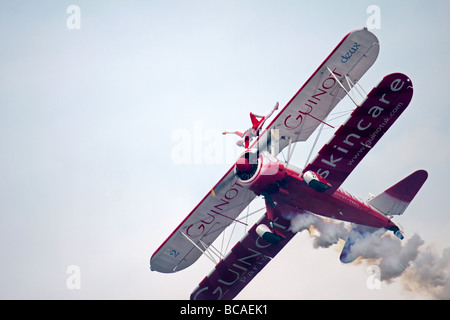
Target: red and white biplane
286, 189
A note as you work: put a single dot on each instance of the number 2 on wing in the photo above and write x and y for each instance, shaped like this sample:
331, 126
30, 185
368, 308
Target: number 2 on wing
174, 253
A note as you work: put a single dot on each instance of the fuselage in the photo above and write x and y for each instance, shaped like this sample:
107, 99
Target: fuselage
266, 175
340, 205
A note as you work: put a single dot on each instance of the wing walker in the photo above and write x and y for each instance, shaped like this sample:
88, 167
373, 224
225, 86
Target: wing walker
257, 124
289, 191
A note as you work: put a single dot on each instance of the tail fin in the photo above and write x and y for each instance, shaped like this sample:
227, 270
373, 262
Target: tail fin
396, 199
393, 201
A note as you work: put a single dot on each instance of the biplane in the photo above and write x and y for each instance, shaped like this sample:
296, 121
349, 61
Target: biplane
287, 190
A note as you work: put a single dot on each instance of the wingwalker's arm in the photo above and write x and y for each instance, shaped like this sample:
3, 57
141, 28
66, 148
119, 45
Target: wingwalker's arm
240, 134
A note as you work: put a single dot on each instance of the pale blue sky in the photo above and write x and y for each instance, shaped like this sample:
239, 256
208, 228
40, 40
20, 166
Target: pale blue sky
88, 116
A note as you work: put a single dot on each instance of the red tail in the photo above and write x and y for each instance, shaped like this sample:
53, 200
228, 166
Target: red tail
396, 199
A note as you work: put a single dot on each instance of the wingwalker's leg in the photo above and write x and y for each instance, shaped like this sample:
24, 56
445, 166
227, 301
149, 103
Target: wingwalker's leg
269, 233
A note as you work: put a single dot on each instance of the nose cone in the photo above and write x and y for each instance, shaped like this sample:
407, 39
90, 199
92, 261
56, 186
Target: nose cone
243, 165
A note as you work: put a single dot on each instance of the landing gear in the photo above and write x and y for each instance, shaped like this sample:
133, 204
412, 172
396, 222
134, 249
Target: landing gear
399, 235
269, 233
397, 232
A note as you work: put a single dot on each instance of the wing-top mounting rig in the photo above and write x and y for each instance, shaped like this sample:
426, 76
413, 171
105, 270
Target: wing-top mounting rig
289, 191
253, 132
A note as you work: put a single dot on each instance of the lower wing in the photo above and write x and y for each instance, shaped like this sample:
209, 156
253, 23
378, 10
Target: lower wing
245, 260
363, 129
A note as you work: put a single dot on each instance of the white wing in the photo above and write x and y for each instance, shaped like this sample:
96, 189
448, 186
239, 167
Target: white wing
309, 107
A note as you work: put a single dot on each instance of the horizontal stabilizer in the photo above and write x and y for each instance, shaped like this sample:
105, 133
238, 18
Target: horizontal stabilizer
396, 199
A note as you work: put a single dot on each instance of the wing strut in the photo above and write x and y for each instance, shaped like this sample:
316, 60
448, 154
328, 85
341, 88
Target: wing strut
313, 146
349, 82
289, 150
354, 86
207, 250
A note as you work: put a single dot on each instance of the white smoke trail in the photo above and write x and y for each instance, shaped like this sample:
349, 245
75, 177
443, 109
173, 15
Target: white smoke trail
393, 257
423, 272
329, 232
429, 274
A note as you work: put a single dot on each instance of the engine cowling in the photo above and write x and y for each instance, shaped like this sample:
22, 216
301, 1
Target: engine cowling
315, 181
259, 171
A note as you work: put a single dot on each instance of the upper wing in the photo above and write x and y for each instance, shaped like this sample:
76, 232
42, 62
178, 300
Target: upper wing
247, 258
218, 209
353, 56
365, 126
